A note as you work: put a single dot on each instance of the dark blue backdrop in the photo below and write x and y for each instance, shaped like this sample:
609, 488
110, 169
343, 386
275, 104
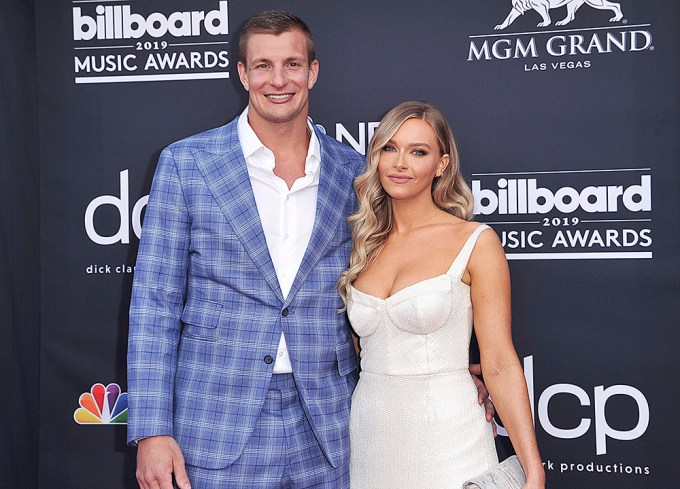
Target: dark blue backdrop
568, 133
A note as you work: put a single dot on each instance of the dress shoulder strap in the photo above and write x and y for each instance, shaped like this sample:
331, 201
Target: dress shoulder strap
458, 266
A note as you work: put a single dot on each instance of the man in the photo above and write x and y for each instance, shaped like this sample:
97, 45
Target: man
239, 363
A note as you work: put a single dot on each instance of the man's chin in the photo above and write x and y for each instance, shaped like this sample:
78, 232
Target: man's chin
282, 118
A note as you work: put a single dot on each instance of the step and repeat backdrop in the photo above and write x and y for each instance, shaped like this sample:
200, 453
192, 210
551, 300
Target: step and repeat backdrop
568, 122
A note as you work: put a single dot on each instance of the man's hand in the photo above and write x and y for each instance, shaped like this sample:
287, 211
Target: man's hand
158, 458
483, 395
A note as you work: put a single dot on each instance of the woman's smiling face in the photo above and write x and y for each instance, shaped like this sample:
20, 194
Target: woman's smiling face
410, 161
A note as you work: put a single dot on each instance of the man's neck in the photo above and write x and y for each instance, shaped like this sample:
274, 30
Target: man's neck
282, 138
288, 141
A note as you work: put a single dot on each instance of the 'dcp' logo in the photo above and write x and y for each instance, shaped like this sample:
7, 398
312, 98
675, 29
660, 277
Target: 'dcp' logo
122, 205
581, 425
543, 8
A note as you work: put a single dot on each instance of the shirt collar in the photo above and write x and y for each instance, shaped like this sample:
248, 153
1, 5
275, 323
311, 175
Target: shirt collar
250, 143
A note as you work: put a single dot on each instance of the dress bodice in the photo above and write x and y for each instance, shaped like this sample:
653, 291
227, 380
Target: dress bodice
422, 329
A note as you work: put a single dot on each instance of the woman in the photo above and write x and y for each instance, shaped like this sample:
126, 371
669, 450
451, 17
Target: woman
418, 268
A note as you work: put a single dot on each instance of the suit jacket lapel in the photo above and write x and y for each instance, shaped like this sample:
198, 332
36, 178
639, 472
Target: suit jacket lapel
224, 169
335, 187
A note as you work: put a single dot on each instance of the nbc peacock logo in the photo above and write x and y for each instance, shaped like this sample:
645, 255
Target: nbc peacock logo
102, 405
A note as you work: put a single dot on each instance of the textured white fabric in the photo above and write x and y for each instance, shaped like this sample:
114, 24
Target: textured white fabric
287, 215
415, 421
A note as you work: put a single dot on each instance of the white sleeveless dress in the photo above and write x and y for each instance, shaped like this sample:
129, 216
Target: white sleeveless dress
415, 421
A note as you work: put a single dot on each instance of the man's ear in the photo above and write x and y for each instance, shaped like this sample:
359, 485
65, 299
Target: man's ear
242, 75
313, 74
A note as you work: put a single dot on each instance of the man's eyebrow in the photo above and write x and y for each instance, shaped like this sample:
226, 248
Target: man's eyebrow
298, 59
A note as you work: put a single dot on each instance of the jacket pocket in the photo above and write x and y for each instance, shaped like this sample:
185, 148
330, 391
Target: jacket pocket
201, 317
347, 357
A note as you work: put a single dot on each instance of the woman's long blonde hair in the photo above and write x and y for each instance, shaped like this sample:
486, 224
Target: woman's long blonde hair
372, 223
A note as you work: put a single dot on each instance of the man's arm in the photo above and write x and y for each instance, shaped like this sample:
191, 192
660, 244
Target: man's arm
155, 310
158, 458
483, 395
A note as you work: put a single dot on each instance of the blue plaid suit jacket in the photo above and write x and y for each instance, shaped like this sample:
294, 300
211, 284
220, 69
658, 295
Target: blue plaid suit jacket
207, 309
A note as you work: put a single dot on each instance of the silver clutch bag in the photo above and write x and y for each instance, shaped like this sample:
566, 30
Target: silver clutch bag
506, 475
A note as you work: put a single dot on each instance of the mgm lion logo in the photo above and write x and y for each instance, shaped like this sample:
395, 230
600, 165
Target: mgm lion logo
543, 7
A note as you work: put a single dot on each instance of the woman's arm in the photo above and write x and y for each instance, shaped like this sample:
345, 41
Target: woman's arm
490, 293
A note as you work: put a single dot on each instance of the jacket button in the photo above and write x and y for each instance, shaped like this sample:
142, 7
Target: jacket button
284, 313
268, 359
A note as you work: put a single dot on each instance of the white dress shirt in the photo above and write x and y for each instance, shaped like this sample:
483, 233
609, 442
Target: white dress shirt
287, 215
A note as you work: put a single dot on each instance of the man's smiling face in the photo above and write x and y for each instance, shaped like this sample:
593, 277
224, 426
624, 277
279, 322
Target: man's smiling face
278, 76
